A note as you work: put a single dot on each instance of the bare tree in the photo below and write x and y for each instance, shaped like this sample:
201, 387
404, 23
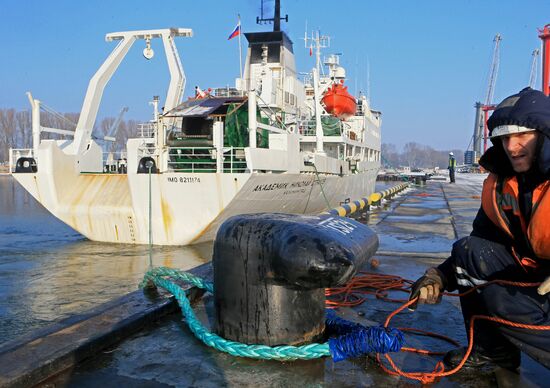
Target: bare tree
416, 155
390, 155
16, 129
8, 134
410, 153
16, 132
24, 129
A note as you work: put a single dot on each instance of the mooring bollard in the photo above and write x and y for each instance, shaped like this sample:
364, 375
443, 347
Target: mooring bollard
271, 271
375, 199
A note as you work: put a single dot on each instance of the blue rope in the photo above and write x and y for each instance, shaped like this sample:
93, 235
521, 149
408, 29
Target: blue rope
354, 340
336, 326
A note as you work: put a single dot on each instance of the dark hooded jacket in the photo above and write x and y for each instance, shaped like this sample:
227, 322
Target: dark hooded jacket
529, 108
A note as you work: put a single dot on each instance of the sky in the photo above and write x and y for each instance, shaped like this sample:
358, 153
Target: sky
424, 63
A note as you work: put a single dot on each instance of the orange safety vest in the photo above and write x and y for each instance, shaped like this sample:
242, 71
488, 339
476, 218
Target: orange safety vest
500, 195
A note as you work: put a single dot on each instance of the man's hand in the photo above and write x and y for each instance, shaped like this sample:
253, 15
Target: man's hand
544, 288
429, 288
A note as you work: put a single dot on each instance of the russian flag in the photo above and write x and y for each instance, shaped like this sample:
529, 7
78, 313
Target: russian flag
236, 32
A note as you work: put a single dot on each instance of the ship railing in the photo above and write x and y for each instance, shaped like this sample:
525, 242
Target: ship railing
306, 131
359, 111
148, 149
115, 162
227, 92
307, 128
16, 153
204, 159
306, 78
146, 130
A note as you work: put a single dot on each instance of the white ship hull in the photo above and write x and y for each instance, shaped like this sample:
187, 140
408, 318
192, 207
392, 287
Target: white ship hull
186, 208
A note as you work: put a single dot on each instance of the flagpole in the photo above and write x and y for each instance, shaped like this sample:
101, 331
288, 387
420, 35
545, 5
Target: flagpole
240, 50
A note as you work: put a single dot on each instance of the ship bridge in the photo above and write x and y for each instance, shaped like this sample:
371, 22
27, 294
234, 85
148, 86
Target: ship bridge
270, 69
272, 49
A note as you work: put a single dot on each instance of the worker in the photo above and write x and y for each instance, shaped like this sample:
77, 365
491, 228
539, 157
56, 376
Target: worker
452, 167
510, 240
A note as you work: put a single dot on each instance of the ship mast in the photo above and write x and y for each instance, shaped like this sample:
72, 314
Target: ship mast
317, 42
276, 19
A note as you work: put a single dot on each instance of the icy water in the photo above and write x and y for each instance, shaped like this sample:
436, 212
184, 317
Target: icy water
50, 272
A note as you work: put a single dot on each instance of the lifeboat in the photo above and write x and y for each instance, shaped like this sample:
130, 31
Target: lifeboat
338, 102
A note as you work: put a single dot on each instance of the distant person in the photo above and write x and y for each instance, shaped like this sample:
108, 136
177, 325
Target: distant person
452, 167
510, 240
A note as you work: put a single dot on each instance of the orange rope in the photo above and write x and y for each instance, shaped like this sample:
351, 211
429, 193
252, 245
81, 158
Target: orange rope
366, 283
354, 293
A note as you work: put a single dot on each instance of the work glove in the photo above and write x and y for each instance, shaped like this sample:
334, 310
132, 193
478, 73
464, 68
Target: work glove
429, 288
544, 288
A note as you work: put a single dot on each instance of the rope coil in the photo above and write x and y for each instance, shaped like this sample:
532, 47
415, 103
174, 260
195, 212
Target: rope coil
439, 370
366, 340
354, 339
352, 294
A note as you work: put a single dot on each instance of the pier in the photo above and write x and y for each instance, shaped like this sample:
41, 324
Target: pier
140, 339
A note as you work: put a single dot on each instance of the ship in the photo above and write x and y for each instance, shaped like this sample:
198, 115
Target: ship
275, 142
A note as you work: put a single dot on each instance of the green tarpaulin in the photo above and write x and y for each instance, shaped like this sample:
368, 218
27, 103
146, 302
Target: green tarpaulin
236, 127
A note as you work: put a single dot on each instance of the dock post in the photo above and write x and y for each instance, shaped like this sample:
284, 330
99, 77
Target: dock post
271, 271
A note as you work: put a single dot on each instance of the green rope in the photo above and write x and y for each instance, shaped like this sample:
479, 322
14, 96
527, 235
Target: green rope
161, 277
320, 184
309, 195
150, 222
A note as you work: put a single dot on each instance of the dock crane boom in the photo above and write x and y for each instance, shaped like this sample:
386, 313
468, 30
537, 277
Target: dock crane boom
494, 70
482, 110
534, 66
491, 89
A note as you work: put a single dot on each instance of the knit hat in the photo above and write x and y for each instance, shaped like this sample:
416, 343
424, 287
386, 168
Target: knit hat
528, 110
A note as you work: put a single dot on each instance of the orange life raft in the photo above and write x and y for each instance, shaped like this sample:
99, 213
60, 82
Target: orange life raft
338, 102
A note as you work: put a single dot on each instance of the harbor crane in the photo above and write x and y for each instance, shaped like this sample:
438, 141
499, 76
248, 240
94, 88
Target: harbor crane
544, 35
534, 67
482, 110
494, 70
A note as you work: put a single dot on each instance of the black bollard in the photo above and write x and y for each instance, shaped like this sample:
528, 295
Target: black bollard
271, 271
